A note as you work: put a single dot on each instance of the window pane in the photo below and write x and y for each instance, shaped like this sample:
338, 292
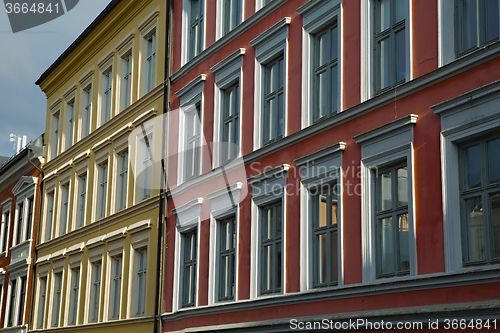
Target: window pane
469, 30
404, 243
334, 256
402, 186
386, 246
385, 14
335, 43
473, 163
495, 222
401, 9
400, 56
491, 20
385, 189
474, 229
334, 90
494, 160
322, 94
321, 252
385, 63
323, 49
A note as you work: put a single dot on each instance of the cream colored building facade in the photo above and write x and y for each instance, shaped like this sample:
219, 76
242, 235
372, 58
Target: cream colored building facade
97, 249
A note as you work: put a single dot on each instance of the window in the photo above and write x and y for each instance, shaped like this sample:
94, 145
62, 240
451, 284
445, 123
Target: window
82, 193
390, 43
195, 28
477, 24
324, 227
56, 308
230, 131
22, 301
71, 124
326, 73
273, 126
103, 187
116, 287
189, 272
20, 222
469, 137
64, 209
480, 201
87, 109
227, 256
271, 48
74, 295
12, 304
271, 223
147, 164
127, 81
142, 264
5, 230
41, 304
56, 135
388, 220
50, 216
95, 296
232, 10
150, 62
192, 149
107, 96
121, 193
29, 221
392, 240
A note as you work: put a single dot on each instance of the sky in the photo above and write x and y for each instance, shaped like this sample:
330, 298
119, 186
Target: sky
24, 57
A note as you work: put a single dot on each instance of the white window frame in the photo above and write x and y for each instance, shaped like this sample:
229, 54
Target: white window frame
50, 190
81, 163
267, 188
186, 16
188, 219
116, 244
125, 51
228, 72
71, 123
463, 117
316, 16
190, 95
55, 125
140, 240
317, 169
107, 89
86, 116
69, 292
6, 210
24, 191
220, 23
224, 204
57, 268
380, 147
269, 45
121, 145
102, 156
42, 267
367, 47
147, 29
95, 247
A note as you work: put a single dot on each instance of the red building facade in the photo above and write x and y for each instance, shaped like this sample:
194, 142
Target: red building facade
20, 179
333, 162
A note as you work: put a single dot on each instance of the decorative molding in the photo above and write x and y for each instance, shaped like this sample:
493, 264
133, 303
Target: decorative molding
273, 173
270, 33
228, 60
387, 128
191, 85
227, 38
310, 158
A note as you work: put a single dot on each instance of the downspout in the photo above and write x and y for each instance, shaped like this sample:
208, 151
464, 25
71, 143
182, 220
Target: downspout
35, 240
160, 244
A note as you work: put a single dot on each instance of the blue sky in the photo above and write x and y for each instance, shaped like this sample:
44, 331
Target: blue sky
25, 56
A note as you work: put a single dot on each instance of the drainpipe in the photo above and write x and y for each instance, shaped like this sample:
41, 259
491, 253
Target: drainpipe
160, 244
35, 240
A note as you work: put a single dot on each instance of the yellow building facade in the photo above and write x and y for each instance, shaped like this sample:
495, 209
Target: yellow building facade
96, 266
